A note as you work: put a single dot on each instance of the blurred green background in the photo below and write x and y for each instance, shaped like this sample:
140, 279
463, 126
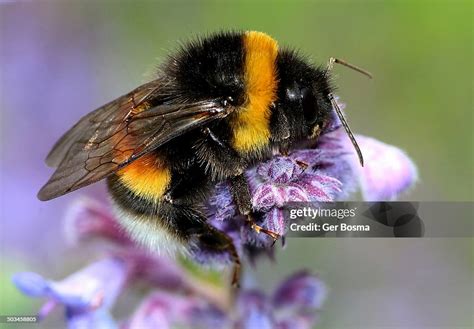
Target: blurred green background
421, 54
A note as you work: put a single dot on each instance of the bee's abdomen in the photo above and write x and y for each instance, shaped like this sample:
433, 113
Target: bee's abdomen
160, 224
147, 177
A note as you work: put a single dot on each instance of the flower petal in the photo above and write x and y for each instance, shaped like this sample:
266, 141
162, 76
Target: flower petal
275, 221
152, 313
86, 219
156, 270
295, 192
387, 172
100, 319
46, 308
31, 284
316, 191
301, 291
296, 322
222, 203
93, 287
254, 311
163, 310
280, 170
265, 197
329, 164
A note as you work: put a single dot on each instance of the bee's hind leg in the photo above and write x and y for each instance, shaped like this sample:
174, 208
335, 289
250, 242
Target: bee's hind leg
241, 193
202, 239
211, 240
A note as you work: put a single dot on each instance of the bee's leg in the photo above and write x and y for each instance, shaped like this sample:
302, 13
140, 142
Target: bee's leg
280, 131
218, 157
201, 238
241, 194
302, 164
224, 161
279, 125
284, 150
212, 240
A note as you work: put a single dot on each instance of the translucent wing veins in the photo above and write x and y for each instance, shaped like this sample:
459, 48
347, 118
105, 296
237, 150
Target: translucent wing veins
114, 135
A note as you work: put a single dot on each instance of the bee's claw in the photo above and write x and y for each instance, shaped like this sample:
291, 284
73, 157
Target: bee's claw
236, 276
302, 164
284, 151
257, 228
273, 243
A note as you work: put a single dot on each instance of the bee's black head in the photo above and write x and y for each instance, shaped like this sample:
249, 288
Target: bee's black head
303, 95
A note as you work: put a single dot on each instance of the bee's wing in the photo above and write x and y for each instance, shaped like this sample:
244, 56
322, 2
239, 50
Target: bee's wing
105, 116
111, 137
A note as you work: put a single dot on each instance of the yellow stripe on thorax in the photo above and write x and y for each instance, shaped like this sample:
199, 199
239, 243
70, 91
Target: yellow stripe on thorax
251, 125
147, 177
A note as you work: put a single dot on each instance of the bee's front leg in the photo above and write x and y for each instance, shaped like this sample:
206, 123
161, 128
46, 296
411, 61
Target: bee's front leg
217, 157
222, 161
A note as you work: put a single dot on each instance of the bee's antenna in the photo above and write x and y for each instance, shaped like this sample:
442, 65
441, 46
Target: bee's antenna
347, 128
333, 60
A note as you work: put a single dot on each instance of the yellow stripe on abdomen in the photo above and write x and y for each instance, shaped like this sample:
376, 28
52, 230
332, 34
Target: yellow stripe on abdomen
147, 177
251, 125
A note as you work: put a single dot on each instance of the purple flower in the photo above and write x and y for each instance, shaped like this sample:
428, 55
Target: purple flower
89, 295
287, 179
165, 310
325, 172
293, 304
388, 171
222, 203
302, 291
86, 295
87, 220
254, 311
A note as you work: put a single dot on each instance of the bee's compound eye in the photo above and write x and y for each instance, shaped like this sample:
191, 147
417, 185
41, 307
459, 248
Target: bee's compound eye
308, 101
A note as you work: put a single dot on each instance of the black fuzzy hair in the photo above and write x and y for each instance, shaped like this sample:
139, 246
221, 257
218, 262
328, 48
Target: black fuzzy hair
210, 66
296, 74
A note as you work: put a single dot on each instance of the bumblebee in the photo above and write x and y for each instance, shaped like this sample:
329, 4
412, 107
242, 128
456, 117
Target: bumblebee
218, 106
